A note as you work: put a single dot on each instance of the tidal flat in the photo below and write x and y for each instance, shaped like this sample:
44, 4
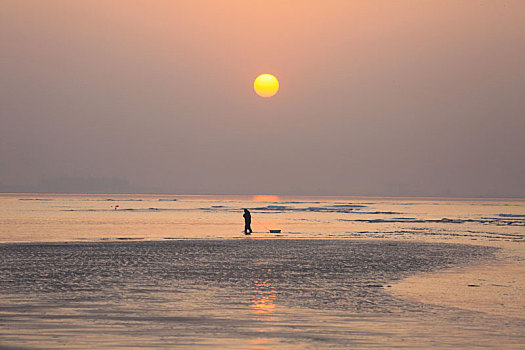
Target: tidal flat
237, 294
151, 271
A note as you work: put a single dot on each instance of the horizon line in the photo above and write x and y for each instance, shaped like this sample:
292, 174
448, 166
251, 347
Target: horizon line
276, 194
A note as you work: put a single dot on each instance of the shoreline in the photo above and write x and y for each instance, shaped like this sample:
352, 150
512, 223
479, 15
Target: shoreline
248, 237
495, 287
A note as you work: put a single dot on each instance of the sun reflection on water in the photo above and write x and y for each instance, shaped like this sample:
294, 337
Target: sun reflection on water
263, 306
263, 299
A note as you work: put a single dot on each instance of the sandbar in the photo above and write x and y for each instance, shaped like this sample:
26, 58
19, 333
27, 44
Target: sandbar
496, 288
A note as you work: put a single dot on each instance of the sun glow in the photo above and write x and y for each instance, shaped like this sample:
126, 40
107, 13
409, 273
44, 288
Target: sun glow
265, 198
266, 85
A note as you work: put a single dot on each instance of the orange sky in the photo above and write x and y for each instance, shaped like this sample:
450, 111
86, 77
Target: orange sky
376, 97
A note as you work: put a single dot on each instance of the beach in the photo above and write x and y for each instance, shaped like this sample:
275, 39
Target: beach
496, 288
262, 174
177, 272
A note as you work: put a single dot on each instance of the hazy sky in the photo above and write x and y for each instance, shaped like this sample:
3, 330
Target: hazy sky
376, 97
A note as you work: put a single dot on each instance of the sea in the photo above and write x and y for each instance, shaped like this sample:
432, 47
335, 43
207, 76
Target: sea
133, 271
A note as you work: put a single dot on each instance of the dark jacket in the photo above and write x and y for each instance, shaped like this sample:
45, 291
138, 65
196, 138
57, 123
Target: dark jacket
247, 216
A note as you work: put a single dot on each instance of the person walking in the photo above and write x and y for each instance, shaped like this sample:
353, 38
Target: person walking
247, 222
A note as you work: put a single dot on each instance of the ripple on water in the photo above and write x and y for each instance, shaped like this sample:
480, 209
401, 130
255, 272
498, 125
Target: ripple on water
198, 286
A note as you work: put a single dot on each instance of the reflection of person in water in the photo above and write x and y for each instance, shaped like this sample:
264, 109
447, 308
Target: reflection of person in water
247, 222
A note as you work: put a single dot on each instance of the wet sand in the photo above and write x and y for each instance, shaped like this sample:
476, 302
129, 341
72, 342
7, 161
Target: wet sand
344, 273
496, 288
234, 294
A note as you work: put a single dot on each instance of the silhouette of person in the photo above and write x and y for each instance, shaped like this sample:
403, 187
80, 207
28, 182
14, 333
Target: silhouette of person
247, 222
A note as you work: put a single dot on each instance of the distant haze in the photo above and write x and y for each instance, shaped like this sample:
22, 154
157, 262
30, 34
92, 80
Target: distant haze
423, 98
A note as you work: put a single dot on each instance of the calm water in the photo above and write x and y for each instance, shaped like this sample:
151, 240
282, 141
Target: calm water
165, 273
47, 218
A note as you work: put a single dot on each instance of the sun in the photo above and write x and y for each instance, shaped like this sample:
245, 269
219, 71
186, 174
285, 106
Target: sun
266, 85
